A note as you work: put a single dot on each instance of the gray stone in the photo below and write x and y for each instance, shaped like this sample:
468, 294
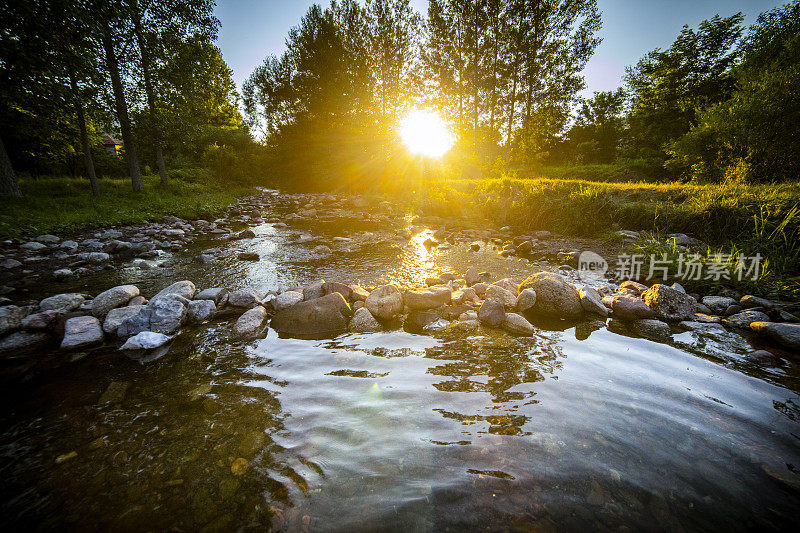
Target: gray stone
215, 294
628, 307
287, 299
591, 301
498, 292
668, 303
651, 329
63, 273
633, 286
117, 316
94, 258
146, 340
313, 290
22, 342
385, 302
69, 246
743, 319
182, 288
201, 311
81, 332
320, 318
364, 322
787, 335
526, 300
63, 303
517, 325
430, 298
718, 304
44, 320
748, 301
492, 313
10, 263
33, 246
165, 315
251, 323
114, 297
554, 296
48, 239
11, 318
248, 297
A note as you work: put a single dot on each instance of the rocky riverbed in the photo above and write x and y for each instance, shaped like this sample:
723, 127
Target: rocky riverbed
202, 303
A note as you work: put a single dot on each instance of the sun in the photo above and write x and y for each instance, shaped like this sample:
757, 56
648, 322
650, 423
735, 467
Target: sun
425, 133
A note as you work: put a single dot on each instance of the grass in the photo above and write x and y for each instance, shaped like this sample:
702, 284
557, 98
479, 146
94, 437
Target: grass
59, 204
729, 217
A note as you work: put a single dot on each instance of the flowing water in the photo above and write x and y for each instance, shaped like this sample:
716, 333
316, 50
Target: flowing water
570, 429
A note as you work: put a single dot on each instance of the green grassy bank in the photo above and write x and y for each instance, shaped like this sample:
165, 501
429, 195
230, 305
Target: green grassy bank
65, 204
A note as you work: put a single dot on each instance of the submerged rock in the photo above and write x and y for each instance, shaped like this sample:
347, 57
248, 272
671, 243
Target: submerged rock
22, 342
11, 318
517, 325
364, 322
651, 329
743, 319
320, 318
146, 340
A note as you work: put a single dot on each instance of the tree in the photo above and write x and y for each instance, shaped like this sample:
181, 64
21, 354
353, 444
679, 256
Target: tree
599, 126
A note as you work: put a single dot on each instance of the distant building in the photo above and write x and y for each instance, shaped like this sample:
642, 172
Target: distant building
112, 145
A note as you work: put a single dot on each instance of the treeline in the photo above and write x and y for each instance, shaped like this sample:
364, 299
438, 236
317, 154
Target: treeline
504, 73
144, 71
719, 104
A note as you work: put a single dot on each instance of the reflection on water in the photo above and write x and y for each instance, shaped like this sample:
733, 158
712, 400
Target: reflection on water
399, 431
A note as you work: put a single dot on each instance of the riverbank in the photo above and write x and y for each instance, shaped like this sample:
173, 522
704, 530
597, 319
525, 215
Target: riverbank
66, 205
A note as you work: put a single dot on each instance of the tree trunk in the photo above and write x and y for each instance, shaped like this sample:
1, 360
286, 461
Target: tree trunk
148, 89
122, 113
87, 150
8, 178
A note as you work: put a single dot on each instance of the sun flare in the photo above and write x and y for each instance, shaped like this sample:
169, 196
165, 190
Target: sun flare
425, 133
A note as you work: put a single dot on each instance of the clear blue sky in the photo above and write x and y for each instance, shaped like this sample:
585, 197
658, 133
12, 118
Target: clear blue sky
252, 29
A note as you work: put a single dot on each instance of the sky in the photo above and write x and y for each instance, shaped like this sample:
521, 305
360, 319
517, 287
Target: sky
253, 29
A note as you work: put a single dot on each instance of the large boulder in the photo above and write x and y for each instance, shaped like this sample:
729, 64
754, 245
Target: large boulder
627, 307
591, 301
517, 325
492, 313
248, 297
315, 319
385, 302
251, 323
364, 322
787, 335
182, 288
554, 296
668, 303
81, 332
113, 297
430, 298
117, 316
63, 303
499, 292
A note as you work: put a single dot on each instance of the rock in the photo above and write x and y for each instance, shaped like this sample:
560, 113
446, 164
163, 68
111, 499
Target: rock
10, 263
508, 284
584, 329
633, 286
732, 310
22, 342
433, 281
480, 289
287, 299
248, 298
114, 393
33, 246
542, 235
668, 303
330, 287
467, 294
492, 313
69, 246
201, 311
419, 319
215, 294
364, 322
707, 319
95, 258
526, 300
472, 276
525, 247
43, 320
319, 318
146, 340
182, 288
165, 315
748, 301
313, 290
117, 316
591, 301
762, 357
63, 303
743, 319
628, 307
385, 302
504, 295
718, 304
554, 296
651, 329
475, 246
517, 325
321, 250
251, 323
63, 273
678, 287
787, 335
246, 234
359, 293
138, 300
11, 318
113, 297
248, 256
700, 308
81, 332
430, 298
